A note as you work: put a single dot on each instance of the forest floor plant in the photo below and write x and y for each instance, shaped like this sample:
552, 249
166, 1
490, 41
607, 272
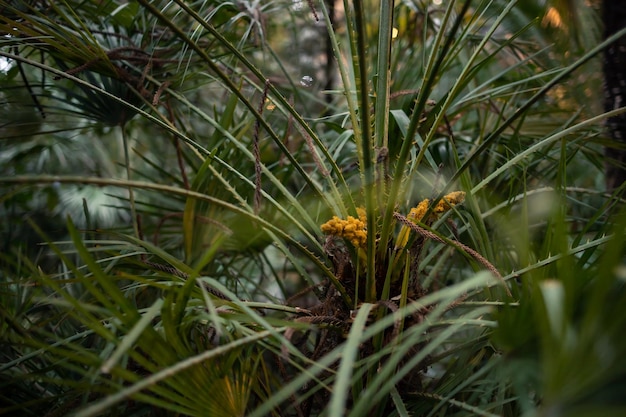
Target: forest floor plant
229, 208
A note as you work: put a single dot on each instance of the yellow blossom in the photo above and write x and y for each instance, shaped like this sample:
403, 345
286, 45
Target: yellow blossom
417, 214
360, 211
449, 201
351, 229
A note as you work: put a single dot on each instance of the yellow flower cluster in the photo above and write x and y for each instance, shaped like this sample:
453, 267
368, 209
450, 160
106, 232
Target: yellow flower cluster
351, 229
354, 229
445, 204
417, 214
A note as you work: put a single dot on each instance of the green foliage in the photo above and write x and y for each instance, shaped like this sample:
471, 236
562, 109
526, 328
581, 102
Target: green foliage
167, 168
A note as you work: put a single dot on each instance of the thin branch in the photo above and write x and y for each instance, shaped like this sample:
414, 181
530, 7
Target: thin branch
32, 94
257, 151
312, 7
430, 235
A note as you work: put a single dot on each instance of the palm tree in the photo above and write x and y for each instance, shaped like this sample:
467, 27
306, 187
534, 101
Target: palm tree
427, 241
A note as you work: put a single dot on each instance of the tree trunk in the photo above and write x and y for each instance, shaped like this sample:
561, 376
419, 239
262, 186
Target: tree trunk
614, 17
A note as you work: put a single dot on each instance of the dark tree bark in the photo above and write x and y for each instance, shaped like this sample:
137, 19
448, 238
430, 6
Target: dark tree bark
614, 18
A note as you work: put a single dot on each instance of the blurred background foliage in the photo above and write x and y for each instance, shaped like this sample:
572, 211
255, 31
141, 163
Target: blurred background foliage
166, 166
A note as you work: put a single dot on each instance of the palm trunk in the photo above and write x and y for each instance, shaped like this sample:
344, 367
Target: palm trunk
614, 17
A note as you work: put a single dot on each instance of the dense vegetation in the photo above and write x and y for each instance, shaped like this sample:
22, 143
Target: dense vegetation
228, 208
